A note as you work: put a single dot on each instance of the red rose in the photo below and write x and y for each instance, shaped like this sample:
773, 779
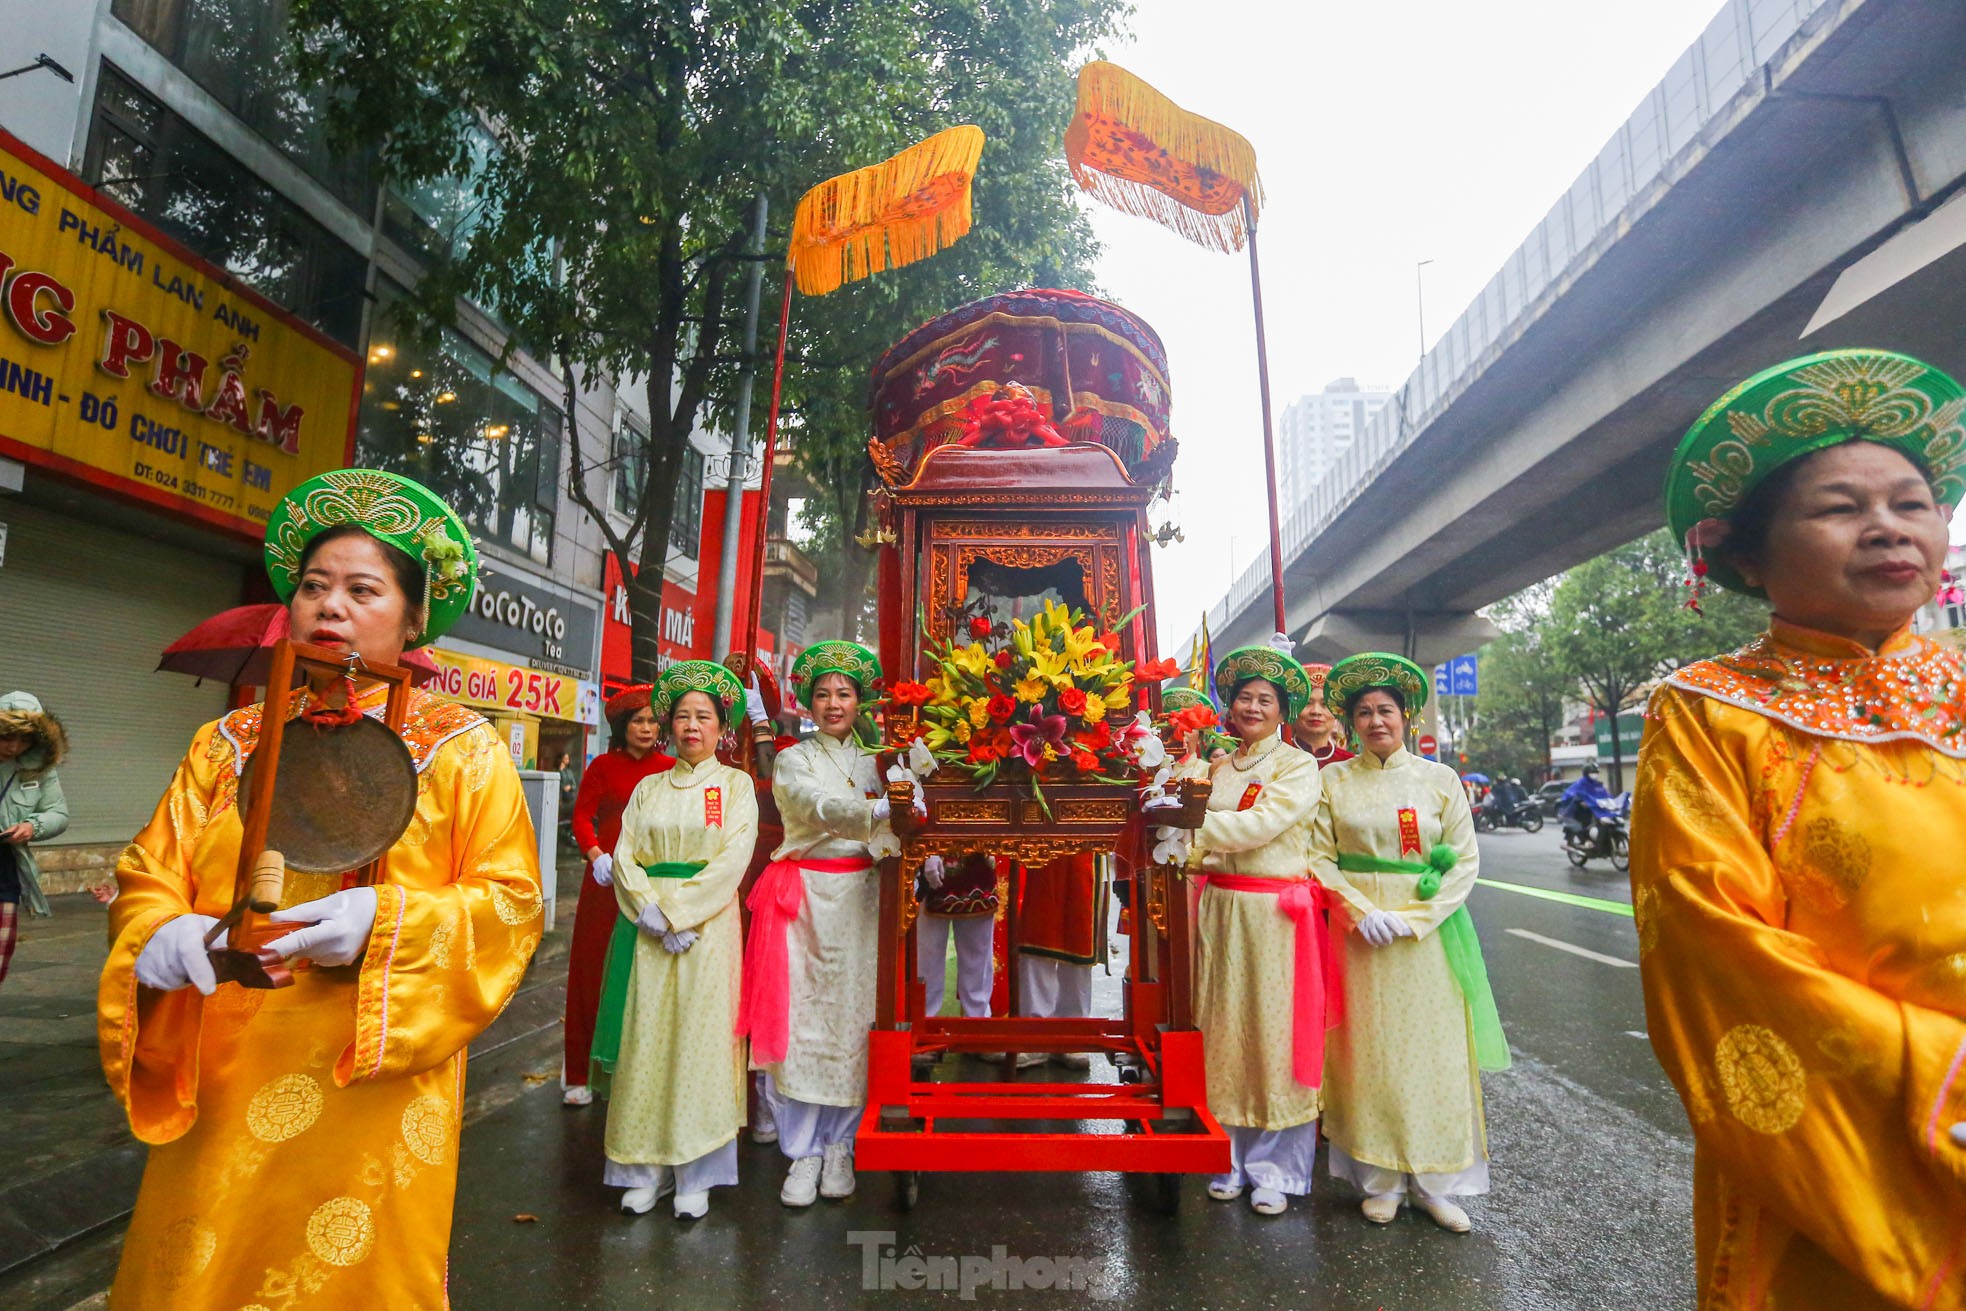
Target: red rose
1072, 701
979, 627
1002, 708
1004, 658
1085, 762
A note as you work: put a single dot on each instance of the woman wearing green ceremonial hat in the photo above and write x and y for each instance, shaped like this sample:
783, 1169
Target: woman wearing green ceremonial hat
1395, 841
1261, 980
1798, 816
809, 964
266, 1111
666, 1049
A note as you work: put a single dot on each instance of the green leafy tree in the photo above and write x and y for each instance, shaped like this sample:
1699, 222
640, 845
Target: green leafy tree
628, 142
1620, 622
1522, 696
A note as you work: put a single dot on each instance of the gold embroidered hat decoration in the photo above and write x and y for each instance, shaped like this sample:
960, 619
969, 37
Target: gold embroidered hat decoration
849, 658
1274, 667
706, 676
1369, 669
390, 508
1798, 408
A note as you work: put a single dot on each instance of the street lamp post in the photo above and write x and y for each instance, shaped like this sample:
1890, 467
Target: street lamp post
1420, 294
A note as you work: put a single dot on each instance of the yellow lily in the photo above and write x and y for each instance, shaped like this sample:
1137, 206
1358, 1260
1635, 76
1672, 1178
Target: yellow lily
972, 660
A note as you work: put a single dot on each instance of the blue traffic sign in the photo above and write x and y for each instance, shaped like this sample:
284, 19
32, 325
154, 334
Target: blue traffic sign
1442, 685
1463, 676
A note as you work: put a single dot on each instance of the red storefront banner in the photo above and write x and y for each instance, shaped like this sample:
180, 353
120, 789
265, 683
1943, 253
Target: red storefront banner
689, 618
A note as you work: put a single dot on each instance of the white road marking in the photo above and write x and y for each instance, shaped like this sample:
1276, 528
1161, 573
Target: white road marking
1575, 950
1639, 1034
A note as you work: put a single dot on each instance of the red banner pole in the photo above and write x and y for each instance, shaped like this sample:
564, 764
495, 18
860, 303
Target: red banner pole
1269, 439
755, 603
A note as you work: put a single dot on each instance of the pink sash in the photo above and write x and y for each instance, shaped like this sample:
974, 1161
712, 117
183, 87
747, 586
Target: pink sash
1317, 1001
764, 1005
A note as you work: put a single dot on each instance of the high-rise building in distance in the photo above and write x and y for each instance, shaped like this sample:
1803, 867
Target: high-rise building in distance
1317, 429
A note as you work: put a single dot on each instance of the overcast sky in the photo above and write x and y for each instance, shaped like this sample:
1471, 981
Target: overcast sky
1387, 133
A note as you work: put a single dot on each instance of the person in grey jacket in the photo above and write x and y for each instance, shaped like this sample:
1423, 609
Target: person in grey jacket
32, 808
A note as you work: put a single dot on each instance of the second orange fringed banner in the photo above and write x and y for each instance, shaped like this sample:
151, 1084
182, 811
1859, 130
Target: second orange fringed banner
1136, 150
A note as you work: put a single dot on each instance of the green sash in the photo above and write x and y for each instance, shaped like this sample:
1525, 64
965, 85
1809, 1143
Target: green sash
615, 977
1457, 936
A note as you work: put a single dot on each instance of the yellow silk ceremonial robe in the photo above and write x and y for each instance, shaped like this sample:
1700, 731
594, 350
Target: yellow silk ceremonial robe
1258, 824
1401, 1081
1798, 820
678, 1091
304, 1139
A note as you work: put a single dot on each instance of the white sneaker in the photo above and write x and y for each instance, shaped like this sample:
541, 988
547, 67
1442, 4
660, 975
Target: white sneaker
801, 1182
640, 1201
1382, 1209
1225, 1187
693, 1206
1025, 1060
1268, 1201
836, 1178
578, 1095
1072, 1060
1446, 1214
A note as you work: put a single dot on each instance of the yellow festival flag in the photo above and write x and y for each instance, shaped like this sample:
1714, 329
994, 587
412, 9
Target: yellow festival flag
903, 209
1136, 150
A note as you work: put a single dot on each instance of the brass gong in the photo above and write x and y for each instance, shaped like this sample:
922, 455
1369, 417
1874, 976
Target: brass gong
342, 795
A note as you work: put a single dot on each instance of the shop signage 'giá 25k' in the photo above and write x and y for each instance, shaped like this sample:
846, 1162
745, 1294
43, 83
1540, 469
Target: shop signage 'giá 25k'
129, 364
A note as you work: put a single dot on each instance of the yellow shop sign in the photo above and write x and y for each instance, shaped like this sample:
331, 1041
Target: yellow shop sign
129, 363
495, 685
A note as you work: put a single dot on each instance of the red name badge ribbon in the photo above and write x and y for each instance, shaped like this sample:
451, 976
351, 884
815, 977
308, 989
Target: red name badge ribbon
1249, 796
713, 807
1409, 831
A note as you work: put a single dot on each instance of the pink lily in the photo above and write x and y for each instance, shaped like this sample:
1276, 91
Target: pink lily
1030, 740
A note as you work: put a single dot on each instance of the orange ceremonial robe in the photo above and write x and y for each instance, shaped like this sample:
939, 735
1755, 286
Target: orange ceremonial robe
304, 1140
1799, 817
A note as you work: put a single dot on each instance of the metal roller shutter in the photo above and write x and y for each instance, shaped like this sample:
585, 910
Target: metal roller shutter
84, 613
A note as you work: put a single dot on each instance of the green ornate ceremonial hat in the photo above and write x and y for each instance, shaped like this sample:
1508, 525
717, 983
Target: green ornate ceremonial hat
849, 658
705, 676
1274, 667
1800, 407
1354, 674
392, 509
1176, 699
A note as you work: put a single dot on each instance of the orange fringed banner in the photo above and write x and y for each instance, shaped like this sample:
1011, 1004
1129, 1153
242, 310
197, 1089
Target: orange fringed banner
1136, 150
900, 210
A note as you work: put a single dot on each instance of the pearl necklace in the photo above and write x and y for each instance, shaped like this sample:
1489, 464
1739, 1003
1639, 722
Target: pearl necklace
1275, 742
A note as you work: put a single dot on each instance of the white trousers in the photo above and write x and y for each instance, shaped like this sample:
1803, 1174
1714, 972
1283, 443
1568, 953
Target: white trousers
1277, 1159
1053, 989
805, 1129
974, 968
714, 1169
1378, 1181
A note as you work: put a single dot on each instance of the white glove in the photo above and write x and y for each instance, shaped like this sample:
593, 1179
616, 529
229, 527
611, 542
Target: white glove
678, 941
1163, 802
337, 927
175, 956
652, 921
881, 809
1283, 642
754, 703
604, 870
933, 871
1380, 927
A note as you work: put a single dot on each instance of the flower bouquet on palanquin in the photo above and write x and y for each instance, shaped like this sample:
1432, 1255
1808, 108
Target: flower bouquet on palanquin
1037, 701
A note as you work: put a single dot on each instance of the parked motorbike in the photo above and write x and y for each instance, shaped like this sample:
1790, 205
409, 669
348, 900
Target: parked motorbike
1525, 815
1604, 837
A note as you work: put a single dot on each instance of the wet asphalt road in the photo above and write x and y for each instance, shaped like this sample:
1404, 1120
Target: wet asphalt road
1591, 1205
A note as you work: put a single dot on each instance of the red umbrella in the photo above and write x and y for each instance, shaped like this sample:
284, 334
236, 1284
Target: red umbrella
236, 646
